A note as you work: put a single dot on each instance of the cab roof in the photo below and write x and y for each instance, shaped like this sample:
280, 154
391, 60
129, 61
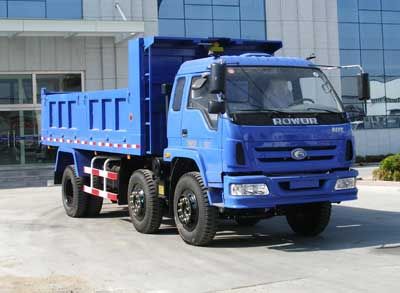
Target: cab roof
247, 59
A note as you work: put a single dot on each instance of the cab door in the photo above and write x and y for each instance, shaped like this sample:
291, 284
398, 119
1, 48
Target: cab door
200, 130
175, 113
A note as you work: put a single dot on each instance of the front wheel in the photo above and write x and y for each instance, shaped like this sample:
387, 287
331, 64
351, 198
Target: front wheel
309, 219
195, 218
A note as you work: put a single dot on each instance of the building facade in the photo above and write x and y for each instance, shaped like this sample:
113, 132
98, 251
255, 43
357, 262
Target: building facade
69, 45
62, 45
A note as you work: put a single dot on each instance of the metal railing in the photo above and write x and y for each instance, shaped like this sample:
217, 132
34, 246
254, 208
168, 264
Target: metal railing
376, 122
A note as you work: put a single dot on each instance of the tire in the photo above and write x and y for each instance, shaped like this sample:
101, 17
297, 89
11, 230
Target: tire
145, 208
309, 219
73, 197
195, 218
246, 221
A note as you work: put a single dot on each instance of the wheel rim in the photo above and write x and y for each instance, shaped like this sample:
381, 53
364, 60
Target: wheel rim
68, 192
137, 202
187, 210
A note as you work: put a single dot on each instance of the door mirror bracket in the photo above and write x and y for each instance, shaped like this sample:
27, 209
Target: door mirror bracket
216, 107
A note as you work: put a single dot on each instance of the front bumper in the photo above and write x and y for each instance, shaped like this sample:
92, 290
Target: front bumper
287, 190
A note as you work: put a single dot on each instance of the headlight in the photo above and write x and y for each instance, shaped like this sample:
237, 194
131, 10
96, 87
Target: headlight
249, 189
345, 183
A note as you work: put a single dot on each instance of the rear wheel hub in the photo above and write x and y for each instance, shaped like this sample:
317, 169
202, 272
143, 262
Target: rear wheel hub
137, 200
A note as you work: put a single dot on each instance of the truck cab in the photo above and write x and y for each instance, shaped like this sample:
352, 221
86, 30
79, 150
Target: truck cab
274, 133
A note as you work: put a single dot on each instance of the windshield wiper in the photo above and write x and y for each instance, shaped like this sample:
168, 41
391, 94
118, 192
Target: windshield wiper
322, 109
274, 111
263, 111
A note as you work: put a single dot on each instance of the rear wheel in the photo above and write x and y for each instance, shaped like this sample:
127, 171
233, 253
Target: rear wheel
195, 218
73, 197
145, 208
309, 219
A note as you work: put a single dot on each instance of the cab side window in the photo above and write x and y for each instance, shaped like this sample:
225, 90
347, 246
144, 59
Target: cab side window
199, 98
179, 87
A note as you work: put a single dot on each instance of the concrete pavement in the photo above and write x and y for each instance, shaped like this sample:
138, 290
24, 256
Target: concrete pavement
365, 172
43, 250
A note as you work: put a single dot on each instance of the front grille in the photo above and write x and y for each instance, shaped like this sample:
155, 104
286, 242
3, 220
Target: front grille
275, 154
307, 148
309, 158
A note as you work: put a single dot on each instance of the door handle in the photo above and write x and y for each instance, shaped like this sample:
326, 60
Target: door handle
184, 132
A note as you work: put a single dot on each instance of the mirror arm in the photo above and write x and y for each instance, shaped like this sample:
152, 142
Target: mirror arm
220, 97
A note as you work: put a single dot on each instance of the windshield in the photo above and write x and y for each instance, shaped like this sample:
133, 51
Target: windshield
279, 89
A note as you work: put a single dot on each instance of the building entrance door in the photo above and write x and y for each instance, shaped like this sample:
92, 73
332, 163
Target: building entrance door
10, 149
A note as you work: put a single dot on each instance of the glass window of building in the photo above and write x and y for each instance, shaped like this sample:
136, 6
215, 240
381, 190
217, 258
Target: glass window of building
392, 65
391, 33
20, 114
58, 83
391, 17
391, 5
372, 61
369, 34
26, 9
218, 18
370, 4
348, 10
33, 9
16, 89
370, 16
3, 9
349, 36
64, 9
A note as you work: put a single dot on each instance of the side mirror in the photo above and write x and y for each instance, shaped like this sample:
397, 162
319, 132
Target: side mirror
364, 91
166, 89
217, 78
216, 107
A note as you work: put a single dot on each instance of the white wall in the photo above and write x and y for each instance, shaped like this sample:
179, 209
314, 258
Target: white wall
104, 62
377, 141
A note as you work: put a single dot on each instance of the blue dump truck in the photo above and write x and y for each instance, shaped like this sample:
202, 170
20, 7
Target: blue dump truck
207, 129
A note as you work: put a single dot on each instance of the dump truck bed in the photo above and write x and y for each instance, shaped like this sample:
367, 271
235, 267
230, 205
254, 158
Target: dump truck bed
107, 121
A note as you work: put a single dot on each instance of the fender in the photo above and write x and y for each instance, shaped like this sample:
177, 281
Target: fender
171, 153
79, 159
214, 188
